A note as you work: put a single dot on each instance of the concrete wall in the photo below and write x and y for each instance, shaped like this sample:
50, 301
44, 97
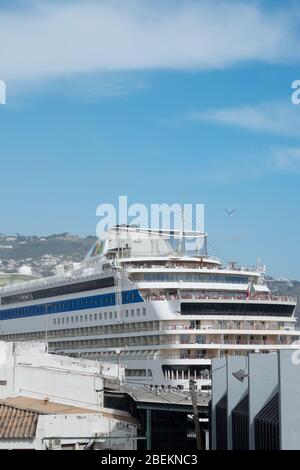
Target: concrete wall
29, 371
219, 388
71, 388
263, 385
289, 399
70, 429
268, 374
116, 435
235, 389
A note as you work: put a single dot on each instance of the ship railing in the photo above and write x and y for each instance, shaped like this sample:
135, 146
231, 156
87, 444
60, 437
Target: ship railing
224, 341
253, 341
205, 330
170, 356
186, 356
252, 297
131, 355
51, 281
182, 265
167, 266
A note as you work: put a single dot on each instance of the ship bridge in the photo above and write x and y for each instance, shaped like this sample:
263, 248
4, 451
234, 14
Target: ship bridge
134, 242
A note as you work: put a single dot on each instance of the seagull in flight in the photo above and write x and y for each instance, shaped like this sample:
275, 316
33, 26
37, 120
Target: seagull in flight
230, 212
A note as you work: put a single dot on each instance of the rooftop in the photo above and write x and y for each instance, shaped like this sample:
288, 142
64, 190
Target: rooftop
19, 415
43, 406
17, 423
165, 398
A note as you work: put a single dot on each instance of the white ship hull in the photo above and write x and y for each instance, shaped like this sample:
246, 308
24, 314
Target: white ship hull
164, 318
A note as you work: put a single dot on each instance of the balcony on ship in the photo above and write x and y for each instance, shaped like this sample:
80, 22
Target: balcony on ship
220, 296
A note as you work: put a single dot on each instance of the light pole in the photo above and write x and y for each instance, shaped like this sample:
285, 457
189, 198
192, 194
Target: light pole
118, 352
196, 414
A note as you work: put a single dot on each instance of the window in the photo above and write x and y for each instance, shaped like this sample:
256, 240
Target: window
144, 311
54, 321
132, 313
206, 308
95, 316
126, 313
138, 312
110, 315
60, 290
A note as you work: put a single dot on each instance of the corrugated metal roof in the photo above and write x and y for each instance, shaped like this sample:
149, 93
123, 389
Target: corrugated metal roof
146, 394
16, 423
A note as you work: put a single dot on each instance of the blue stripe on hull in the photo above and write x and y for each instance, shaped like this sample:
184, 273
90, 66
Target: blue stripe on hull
70, 305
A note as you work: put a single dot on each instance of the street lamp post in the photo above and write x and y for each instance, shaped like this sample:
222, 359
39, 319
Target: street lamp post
118, 351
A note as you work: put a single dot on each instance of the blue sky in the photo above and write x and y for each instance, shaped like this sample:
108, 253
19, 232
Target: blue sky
183, 101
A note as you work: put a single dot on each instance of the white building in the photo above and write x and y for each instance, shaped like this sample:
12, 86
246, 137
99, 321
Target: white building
50, 401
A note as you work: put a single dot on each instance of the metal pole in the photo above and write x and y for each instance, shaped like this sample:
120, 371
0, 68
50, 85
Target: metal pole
196, 414
149, 429
46, 330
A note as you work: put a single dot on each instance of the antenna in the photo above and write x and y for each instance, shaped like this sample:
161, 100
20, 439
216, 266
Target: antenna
182, 233
118, 244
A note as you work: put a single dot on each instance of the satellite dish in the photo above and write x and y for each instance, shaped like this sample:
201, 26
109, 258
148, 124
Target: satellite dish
240, 375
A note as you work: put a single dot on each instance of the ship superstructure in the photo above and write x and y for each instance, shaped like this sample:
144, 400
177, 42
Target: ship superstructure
142, 299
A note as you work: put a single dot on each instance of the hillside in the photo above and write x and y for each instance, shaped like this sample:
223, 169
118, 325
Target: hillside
42, 253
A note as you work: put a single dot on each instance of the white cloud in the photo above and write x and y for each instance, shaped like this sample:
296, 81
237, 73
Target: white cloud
249, 166
287, 159
55, 39
280, 118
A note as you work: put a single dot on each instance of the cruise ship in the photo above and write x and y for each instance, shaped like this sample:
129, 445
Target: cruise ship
142, 299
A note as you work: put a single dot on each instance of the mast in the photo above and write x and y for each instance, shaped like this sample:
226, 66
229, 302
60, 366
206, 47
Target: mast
182, 247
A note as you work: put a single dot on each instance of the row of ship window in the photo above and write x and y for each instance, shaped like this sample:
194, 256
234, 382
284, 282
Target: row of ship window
98, 316
123, 342
95, 301
138, 372
196, 277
